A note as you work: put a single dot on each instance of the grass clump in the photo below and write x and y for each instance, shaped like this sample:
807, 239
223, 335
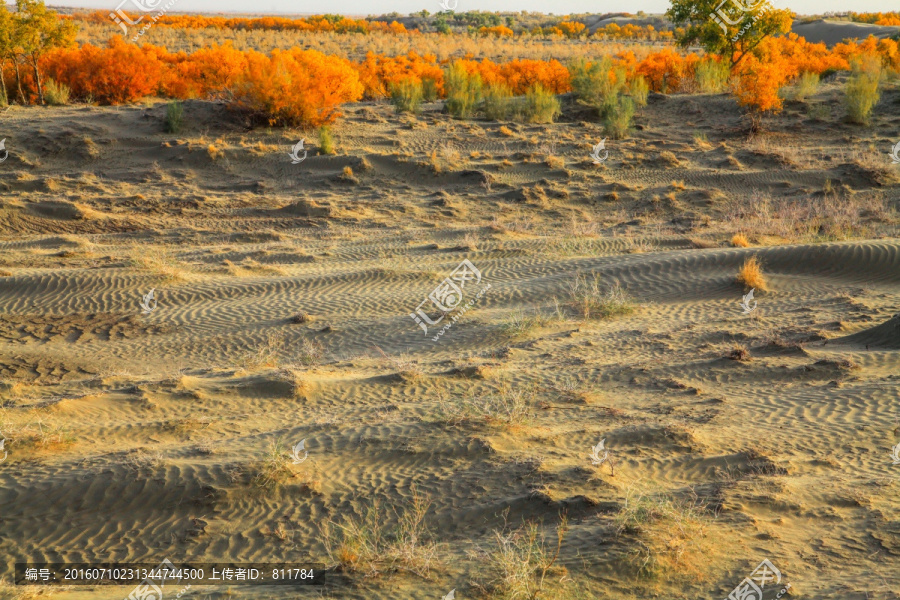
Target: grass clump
711, 76
274, 469
596, 84
371, 545
521, 561
498, 103
861, 92
407, 95
158, 261
589, 300
639, 90
739, 240
429, 90
464, 91
672, 533
56, 94
501, 408
265, 354
326, 142
618, 116
751, 275
805, 86
540, 106
174, 120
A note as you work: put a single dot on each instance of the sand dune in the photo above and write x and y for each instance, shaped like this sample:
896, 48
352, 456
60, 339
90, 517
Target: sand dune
282, 308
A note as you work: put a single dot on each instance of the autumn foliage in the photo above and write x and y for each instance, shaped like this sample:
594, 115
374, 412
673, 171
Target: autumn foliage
307, 87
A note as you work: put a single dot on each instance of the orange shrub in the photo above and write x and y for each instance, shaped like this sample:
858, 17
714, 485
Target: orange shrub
499, 31
669, 70
377, 73
572, 29
204, 72
758, 83
297, 87
120, 73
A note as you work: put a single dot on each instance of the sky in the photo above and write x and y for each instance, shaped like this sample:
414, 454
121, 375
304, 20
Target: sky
379, 7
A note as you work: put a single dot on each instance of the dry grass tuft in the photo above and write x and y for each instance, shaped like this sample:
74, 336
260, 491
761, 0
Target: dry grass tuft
521, 562
372, 546
672, 533
751, 275
158, 261
590, 301
739, 240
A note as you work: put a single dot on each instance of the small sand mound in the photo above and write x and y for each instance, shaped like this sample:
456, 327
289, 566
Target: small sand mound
307, 208
885, 336
62, 210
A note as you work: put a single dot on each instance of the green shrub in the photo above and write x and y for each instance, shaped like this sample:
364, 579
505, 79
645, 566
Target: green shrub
711, 76
541, 106
326, 142
596, 84
55, 94
174, 117
464, 91
618, 116
639, 90
499, 104
805, 86
861, 92
429, 90
406, 95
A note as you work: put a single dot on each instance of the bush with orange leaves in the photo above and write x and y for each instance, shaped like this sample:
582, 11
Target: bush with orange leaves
297, 87
378, 73
119, 73
205, 72
498, 31
668, 71
757, 84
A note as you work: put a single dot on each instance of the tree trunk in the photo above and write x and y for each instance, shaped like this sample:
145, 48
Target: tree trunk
21, 96
37, 78
4, 95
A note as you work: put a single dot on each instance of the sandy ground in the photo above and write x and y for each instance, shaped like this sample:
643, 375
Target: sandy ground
281, 313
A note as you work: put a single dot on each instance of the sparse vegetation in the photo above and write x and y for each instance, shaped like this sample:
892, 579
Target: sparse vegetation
464, 90
326, 142
521, 561
56, 94
672, 533
861, 92
805, 86
751, 275
591, 301
174, 117
407, 95
380, 542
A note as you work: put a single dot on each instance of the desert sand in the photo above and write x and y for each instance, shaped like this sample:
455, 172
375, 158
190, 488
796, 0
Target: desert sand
281, 306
